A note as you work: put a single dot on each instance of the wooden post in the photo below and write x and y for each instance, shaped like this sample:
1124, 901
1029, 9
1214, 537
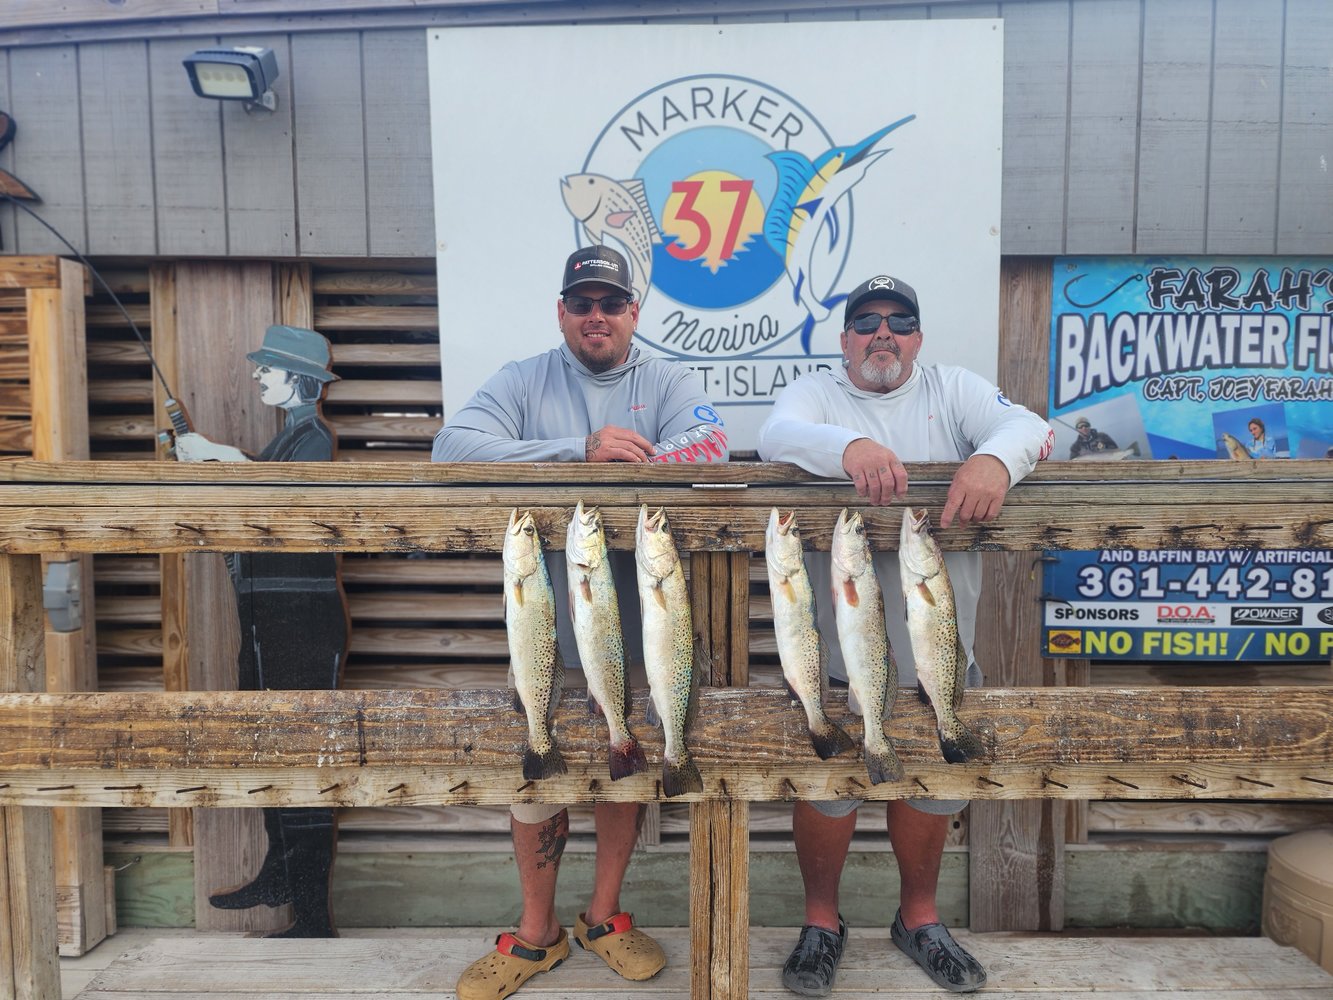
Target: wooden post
1016, 847
59, 379
720, 830
222, 311
29, 969
172, 590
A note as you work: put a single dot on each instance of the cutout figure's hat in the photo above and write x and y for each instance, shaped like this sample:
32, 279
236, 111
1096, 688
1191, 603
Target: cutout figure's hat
294, 349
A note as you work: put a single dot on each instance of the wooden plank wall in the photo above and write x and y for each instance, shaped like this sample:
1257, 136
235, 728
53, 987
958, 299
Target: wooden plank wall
1131, 126
436, 621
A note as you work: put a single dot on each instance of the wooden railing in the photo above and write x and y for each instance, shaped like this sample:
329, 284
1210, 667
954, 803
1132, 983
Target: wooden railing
361, 748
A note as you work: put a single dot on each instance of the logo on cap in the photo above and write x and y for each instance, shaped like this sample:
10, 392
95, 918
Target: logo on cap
881, 284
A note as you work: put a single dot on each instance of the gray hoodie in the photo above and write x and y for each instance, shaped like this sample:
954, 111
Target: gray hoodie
543, 408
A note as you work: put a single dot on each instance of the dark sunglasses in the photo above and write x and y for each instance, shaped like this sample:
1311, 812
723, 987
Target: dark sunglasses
611, 305
869, 323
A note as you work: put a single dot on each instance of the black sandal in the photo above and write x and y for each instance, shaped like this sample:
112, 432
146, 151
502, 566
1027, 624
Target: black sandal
813, 964
942, 958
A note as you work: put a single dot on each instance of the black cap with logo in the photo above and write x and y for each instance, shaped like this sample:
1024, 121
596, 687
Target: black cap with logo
597, 265
881, 288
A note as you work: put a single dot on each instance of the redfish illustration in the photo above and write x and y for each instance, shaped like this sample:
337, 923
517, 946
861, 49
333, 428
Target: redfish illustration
612, 212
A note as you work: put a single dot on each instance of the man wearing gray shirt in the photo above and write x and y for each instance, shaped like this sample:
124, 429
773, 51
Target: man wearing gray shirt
596, 398
886, 408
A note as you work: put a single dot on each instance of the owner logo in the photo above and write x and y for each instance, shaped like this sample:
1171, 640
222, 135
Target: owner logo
734, 207
1265, 615
1326, 615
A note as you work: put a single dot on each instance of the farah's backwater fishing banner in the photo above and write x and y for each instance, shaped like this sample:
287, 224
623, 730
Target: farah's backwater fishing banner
1190, 358
752, 174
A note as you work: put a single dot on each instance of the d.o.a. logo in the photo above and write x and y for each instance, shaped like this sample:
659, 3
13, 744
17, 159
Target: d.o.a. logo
734, 207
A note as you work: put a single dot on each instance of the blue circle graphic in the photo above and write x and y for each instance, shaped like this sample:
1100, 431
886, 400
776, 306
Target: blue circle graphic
754, 267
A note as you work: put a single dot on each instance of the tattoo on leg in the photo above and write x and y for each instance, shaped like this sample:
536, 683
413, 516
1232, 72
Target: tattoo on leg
551, 839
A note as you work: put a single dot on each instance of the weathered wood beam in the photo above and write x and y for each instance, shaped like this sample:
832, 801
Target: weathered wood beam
459, 747
164, 507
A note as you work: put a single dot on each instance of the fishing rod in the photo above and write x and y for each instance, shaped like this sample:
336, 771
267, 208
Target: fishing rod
180, 420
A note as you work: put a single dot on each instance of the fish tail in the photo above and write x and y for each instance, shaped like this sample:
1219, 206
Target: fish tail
959, 745
829, 739
883, 765
543, 765
681, 776
626, 758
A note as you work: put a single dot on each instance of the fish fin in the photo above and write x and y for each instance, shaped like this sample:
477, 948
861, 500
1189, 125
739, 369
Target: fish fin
585, 586
823, 671
962, 746
830, 740
807, 331
925, 593
650, 713
681, 777
849, 593
833, 301
518, 595
517, 702
962, 677
618, 219
921, 693
701, 668
594, 706
883, 765
659, 596
635, 187
627, 758
787, 590
557, 683
543, 765
791, 692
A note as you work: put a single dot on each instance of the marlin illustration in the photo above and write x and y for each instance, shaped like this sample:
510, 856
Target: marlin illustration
805, 204
616, 212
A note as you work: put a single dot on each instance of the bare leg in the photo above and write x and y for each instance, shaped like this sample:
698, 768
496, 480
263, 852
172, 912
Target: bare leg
537, 851
821, 851
918, 845
617, 826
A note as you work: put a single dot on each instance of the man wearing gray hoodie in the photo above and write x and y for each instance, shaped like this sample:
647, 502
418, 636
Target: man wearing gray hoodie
595, 398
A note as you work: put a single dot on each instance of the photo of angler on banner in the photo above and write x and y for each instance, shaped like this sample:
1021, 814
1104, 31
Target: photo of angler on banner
1252, 432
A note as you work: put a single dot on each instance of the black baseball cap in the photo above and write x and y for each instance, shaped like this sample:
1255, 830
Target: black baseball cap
597, 265
881, 288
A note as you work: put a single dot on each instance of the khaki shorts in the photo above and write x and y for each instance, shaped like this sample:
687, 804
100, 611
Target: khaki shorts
837, 808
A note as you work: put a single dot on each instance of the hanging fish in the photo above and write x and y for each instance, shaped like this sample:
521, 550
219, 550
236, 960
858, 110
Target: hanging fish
595, 614
539, 672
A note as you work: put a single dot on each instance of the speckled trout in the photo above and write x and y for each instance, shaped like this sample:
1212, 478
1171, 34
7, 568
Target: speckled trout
595, 615
801, 649
668, 648
932, 622
872, 672
539, 672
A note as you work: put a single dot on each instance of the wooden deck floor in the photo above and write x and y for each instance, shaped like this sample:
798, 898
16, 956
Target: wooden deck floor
142, 964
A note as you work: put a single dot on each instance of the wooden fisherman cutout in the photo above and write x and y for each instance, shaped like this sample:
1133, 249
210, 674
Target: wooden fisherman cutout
294, 626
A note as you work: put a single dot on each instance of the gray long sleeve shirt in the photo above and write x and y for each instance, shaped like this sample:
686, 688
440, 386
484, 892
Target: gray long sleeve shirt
542, 409
941, 414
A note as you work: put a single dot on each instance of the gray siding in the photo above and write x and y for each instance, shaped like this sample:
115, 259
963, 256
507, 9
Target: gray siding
1131, 126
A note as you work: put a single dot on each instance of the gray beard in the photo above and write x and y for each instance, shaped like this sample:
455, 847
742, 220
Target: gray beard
873, 373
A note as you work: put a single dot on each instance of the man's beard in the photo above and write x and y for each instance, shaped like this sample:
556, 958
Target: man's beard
877, 374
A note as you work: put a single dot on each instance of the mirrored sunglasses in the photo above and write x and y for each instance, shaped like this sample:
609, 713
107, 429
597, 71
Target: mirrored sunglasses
611, 305
868, 323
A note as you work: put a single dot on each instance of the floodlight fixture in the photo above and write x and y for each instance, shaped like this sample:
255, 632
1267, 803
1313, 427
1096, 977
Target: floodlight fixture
243, 73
